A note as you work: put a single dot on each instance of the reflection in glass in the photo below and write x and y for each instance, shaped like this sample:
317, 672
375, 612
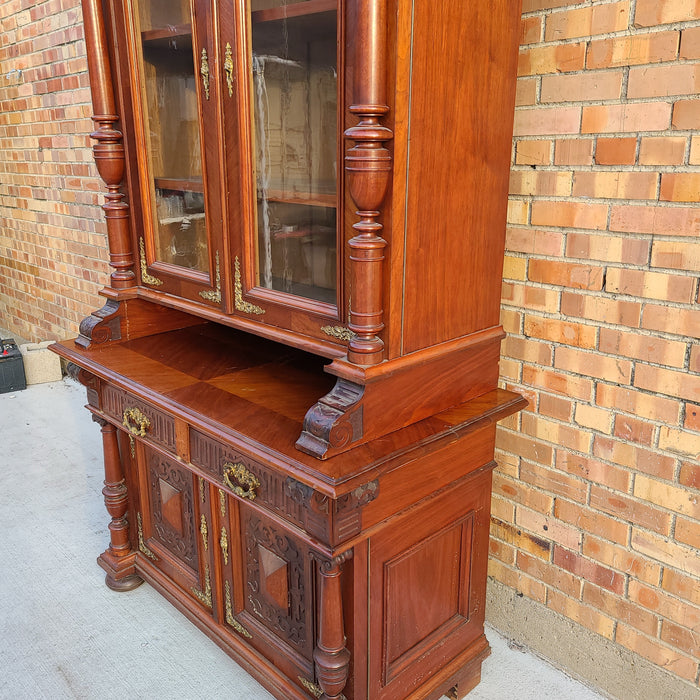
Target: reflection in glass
172, 134
294, 87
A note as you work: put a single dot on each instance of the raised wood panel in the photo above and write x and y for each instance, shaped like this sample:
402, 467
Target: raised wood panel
456, 205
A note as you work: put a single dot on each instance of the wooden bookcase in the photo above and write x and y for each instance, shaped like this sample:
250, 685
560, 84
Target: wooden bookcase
296, 366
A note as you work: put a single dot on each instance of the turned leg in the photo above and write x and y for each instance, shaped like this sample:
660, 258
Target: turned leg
118, 560
330, 655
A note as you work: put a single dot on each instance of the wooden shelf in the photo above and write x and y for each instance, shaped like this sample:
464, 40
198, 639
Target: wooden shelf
312, 199
180, 184
311, 7
161, 38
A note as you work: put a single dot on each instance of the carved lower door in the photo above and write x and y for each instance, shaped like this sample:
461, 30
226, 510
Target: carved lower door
269, 584
174, 523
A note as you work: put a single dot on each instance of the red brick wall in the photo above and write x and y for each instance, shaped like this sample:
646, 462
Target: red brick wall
596, 501
52, 240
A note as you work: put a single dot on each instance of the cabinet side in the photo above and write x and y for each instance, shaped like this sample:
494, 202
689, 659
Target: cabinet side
462, 96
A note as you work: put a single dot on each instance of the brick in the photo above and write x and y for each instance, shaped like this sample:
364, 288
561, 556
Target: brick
692, 417
583, 614
594, 418
598, 308
650, 285
682, 586
553, 431
553, 482
680, 322
533, 298
680, 637
626, 118
665, 605
616, 151
630, 510
526, 92
667, 496
642, 347
680, 441
503, 510
656, 652
676, 255
580, 87
620, 609
570, 214
500, 551
535, 5
686, 114
653, 12
589, 570
666, 551
622, 559
616, 185
541, 121
576, 276
663, 80
593, 364
518, 212
587, 21
549, 574
553, 58
519, 582
537, 152
662, 220
573, 151
694, 156
690, 43
527, 350
514, 489
558, 331
548, 527
514, 268
558, 382
662, 150
592, 522
594, 470
531, 29
534, 241
555, 407
667, 381
632, 49
688, 532
524, 446
523, 541
542, 183
634, 457
607, 248
680, 187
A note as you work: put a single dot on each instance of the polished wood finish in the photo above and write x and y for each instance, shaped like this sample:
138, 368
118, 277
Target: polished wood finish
307, 479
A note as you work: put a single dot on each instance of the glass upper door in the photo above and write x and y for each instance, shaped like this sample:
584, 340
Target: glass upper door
175, 87
294, 88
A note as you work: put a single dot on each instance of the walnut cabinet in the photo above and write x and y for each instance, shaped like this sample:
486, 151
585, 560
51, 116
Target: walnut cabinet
295, 368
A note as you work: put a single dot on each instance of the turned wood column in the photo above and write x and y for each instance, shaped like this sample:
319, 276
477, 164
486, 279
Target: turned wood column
118, 559
368, 169
109, 149
331, 657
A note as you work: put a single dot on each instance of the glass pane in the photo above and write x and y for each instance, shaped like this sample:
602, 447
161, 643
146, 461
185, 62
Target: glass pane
171, 124
294, 87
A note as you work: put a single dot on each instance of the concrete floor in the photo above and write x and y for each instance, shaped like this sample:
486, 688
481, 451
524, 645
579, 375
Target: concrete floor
63, 634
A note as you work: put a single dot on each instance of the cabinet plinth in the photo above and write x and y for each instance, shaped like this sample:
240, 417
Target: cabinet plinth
296, 365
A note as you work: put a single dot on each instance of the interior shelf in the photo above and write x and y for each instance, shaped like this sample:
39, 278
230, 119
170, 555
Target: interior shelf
180, 184
313, 199
299, 9
160, 36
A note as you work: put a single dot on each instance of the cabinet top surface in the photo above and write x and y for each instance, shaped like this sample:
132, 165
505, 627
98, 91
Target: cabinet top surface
255, 392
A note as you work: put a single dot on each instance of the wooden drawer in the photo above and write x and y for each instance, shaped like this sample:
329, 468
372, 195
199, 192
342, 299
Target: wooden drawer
139, 418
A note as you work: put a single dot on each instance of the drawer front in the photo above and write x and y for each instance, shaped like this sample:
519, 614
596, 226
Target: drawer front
249, 479
139, 418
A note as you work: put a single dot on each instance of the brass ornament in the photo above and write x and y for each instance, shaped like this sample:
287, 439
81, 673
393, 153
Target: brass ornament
204, 596
223, 542
201, 489
204, 72
222, 503
228, 69
312, 688
230, 619
204, 529
146, 278
142, 543
240, 480
214, 294
240, 304
339, 332
135, 421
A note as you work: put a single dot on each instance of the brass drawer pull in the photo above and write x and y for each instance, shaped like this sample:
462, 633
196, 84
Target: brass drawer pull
135, 421
242, 482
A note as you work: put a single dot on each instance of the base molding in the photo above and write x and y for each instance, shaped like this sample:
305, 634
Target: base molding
579, 652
